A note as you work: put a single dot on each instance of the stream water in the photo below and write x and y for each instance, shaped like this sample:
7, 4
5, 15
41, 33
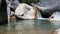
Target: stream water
30, 27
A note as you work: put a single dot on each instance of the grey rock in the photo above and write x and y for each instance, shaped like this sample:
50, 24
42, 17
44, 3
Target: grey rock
48, 6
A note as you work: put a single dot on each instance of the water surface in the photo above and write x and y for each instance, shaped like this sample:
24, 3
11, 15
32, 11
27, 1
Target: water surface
30, 27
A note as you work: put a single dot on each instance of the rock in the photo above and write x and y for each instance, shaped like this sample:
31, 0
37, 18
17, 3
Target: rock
12, 13
48, 7
13, 18
14, 4
55, 16
57, 31
25, 11
3, 12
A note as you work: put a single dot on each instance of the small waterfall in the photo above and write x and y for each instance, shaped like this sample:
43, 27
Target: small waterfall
39, 15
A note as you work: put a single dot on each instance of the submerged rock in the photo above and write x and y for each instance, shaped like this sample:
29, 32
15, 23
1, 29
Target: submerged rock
55, 16
57, 31
26, 11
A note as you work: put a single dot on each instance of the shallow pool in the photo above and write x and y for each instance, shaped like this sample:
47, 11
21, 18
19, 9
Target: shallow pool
30, 27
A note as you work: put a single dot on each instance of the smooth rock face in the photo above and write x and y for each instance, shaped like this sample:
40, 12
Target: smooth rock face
55, 16
25, 11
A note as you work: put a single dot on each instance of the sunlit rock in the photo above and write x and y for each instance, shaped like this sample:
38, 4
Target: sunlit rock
26, 11
55, 16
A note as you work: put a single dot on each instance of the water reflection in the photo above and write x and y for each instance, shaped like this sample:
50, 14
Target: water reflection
30, 27
25, 25
44, 24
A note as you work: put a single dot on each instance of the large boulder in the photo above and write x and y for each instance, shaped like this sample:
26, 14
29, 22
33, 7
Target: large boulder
25, 11
55, 16
48, 7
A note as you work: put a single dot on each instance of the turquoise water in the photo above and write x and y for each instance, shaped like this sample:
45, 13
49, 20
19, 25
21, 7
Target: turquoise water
29, 25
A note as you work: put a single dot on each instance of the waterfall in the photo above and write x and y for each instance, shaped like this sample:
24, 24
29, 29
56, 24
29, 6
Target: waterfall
39, 15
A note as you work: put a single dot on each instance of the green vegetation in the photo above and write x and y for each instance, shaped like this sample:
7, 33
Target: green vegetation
28, 1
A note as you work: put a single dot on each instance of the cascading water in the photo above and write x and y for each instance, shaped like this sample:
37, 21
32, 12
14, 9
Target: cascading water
39, 15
